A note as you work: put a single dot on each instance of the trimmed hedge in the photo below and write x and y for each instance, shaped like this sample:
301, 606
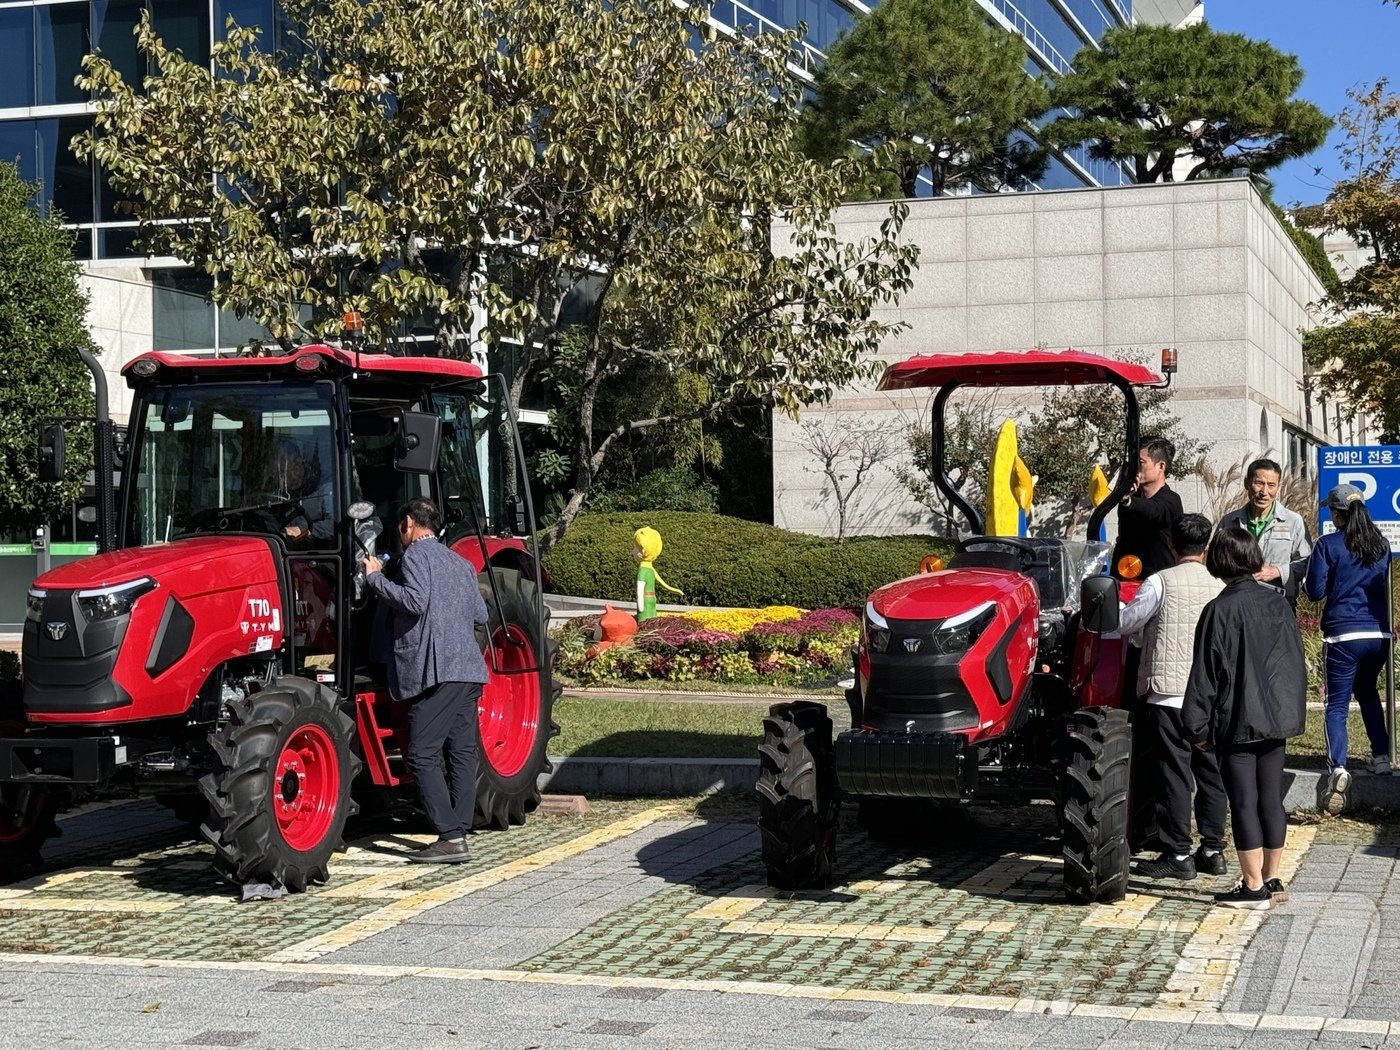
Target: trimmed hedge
721, 561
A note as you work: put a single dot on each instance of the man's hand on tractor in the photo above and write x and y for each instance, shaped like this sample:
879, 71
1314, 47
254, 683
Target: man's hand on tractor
295, 532
372, 565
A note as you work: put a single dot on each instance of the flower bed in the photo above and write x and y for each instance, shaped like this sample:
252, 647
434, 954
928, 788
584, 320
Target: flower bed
779, 646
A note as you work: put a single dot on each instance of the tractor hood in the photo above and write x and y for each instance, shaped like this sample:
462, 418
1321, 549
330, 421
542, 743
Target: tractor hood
939, 595
217, 562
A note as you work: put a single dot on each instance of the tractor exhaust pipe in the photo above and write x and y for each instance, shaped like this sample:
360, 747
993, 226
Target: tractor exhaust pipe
102, 455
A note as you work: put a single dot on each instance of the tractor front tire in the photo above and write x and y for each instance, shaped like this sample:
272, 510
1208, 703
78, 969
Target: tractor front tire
27, 811
797, 796
279, 802
1094, 786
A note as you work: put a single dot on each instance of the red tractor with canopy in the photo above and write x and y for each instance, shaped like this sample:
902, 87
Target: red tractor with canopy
997, 678
222, 653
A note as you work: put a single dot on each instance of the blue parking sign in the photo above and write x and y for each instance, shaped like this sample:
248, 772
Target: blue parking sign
1375, 470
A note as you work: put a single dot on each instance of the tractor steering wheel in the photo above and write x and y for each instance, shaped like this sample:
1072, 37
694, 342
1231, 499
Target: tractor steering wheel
268, 517
1015, 543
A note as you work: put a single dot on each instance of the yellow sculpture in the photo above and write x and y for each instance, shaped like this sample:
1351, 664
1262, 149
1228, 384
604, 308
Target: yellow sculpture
646, 549
1010, 487
1099, 490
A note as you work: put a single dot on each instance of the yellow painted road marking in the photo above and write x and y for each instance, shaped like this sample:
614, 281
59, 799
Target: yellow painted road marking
391, 915
1006, 1004
735, 903
1211, 958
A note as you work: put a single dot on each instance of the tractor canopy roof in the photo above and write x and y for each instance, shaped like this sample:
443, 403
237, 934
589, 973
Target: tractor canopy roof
311, 358
1014, 368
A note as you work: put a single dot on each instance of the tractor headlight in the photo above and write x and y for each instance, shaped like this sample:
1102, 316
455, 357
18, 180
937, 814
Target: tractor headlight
34, 606
104, 603
877, 629
959, 633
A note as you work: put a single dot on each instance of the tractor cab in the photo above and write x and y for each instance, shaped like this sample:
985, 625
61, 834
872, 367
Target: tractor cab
993, 678
229, 592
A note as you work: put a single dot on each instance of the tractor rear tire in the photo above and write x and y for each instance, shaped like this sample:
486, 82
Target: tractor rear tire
507, 788
797, 796
27, 812
1094, 785
279, 802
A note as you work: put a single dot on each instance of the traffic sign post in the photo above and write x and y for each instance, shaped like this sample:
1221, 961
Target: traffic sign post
1375, 470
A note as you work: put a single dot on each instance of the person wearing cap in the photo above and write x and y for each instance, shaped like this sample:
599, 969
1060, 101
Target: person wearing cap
1280, 532
1350, 571
1166, 609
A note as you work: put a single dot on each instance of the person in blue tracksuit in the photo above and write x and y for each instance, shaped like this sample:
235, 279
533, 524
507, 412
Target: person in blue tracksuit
1349, 570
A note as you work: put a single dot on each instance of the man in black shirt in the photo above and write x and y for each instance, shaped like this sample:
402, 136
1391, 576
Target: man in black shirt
1145, 521
1149, 511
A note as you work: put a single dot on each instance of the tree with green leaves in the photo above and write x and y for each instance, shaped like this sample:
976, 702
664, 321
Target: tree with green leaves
431, 160
1357, 355
1155, 96
42, 315
927, 88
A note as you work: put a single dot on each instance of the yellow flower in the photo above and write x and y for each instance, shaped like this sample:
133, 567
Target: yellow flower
737, 621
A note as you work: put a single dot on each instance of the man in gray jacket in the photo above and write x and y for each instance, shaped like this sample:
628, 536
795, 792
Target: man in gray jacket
1281, 534
438, 669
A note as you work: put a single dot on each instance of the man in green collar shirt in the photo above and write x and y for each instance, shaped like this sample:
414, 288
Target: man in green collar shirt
1281, 533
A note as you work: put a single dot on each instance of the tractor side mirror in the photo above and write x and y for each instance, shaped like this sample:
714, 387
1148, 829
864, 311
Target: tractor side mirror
418, 441
1098, 604
515, 514
52, 444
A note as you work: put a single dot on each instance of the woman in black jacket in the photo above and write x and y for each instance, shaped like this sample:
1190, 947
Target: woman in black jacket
1245, 697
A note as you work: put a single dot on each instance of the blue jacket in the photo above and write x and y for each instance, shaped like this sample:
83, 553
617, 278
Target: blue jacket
1356, 594
435, 611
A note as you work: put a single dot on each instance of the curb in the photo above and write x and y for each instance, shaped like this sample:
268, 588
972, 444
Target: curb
667, 777
649, 777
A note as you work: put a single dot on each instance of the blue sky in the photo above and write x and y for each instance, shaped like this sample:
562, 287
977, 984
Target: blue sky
1340, 43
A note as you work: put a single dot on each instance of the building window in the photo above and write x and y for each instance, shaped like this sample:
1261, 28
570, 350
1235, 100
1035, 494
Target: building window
62, 39
17, 70
182, 318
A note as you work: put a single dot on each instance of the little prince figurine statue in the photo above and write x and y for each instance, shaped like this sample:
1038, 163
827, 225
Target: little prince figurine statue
646, 549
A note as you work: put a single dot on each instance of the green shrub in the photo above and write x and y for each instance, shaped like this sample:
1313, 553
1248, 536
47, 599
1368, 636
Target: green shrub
720, 561
673, 488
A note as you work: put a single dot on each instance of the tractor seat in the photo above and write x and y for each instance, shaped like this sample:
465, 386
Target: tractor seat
997, 559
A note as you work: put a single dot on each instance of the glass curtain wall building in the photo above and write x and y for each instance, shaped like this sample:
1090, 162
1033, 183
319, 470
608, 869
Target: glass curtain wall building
1054, 31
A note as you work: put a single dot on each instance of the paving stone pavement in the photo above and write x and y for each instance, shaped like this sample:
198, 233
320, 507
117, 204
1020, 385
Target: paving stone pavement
647, 924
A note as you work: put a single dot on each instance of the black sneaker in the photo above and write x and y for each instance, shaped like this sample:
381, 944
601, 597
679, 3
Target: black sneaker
1276, 890
1210, 863
443, 851
1243, 897
1166, 867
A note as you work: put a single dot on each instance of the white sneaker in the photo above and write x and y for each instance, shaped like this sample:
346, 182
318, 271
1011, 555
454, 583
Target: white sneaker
1379, 765
1338, 785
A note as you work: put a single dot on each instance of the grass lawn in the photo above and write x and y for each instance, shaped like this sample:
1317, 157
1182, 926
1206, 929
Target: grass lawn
694, 729
1309, 751
657, 728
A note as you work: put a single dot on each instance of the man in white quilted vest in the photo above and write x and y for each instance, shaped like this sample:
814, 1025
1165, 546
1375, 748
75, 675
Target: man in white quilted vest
1166, 610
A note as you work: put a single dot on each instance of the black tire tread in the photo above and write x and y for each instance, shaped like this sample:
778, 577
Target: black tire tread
503, 802
240, 825
1094, 783
797, 796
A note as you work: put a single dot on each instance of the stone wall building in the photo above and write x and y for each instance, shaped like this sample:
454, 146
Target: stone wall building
1203, 267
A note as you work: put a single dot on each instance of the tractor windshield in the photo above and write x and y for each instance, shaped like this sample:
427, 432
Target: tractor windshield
247, 457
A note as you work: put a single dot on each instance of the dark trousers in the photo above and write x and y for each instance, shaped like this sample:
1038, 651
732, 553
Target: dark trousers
1142, 787
1253, 775
1352, 668
1181, 768
442, 722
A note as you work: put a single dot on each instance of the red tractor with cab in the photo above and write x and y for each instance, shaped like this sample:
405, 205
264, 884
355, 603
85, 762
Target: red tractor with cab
222, 653
997, 678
